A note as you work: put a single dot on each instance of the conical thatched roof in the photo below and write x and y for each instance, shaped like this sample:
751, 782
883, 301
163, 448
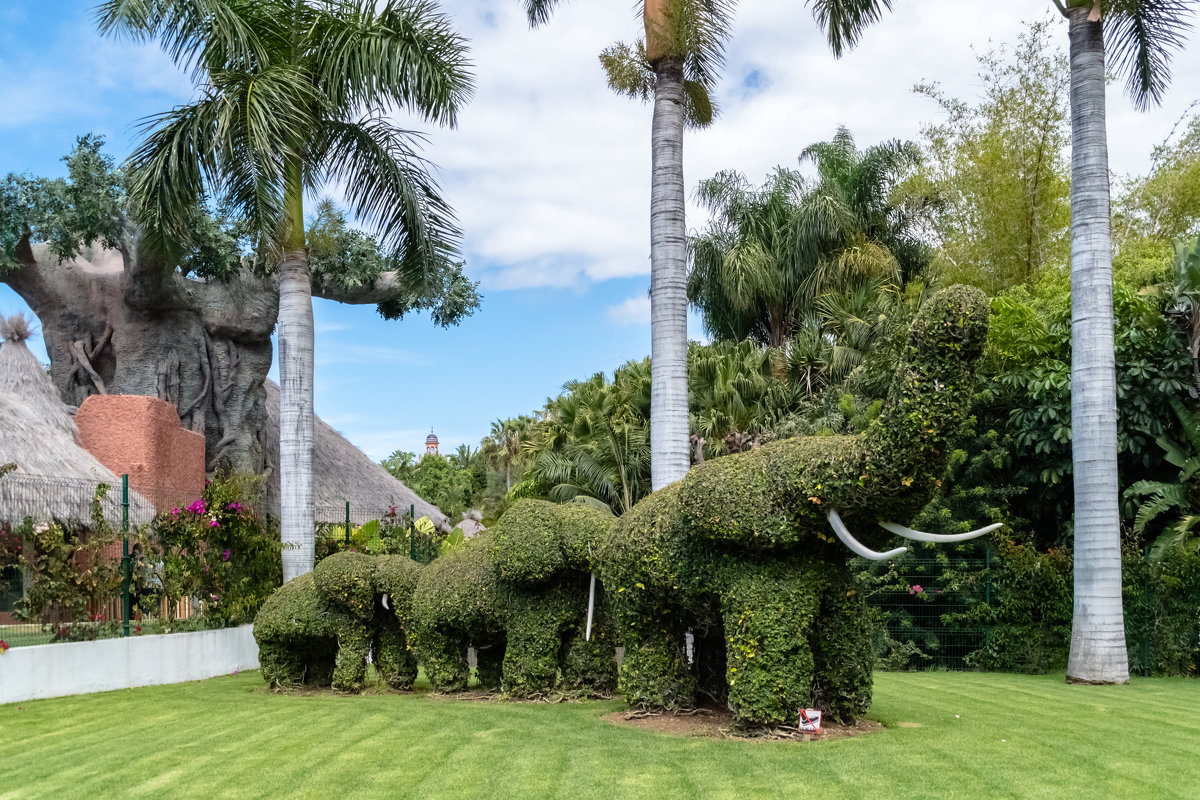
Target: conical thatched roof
342, 472
55, 477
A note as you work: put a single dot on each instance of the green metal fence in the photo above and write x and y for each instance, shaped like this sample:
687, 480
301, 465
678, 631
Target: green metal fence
72, 504
929, 609
391, 530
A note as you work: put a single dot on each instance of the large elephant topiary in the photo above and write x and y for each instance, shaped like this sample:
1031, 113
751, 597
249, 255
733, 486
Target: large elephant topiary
744, 552
518, 594
318, 628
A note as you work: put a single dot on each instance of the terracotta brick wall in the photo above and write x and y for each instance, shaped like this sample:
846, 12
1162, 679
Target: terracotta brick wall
141, 437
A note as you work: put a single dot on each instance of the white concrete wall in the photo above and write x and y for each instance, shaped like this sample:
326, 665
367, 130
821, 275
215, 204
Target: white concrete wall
54, 670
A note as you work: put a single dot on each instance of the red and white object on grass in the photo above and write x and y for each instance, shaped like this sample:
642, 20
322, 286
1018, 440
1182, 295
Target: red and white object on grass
810, 720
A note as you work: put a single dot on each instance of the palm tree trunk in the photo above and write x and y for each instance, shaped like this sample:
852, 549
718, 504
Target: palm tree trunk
669, 457
1098, 652
295, 389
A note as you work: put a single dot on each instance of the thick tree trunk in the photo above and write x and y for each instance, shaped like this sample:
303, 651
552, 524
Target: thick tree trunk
1098, 652
669, 452
117, 322
296, 391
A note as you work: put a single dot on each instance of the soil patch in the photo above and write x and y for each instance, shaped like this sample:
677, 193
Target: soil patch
717, 723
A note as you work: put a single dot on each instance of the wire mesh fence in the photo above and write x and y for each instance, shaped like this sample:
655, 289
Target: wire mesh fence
72, 530
90, 517
930, 611
388, 530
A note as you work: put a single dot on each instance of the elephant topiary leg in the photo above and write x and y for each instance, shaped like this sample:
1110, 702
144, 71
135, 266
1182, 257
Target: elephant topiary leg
350, 670
396, 663
590, 667
489, 666
653, 673
533, 644
768, 613
842, 644
444, 656
281, 665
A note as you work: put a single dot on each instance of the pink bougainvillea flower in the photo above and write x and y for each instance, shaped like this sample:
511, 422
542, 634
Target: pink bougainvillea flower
214, 524
225, 555
197, 507
175, 511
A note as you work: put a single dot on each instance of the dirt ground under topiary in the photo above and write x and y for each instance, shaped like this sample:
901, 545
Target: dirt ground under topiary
717, 723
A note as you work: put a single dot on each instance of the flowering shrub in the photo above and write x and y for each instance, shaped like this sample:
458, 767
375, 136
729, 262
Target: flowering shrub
219, 549
70, 569
10, 546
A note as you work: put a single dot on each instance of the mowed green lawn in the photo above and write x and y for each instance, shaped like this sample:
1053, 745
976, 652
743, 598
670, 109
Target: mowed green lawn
975, 735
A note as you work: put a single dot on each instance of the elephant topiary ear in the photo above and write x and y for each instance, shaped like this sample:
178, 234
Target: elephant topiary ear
348, 581
535, 539
526, 544
396, 576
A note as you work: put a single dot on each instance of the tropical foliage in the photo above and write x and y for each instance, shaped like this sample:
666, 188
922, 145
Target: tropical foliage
796, 257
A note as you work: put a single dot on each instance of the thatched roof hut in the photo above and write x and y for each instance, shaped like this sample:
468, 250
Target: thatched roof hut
54, 478
342, 472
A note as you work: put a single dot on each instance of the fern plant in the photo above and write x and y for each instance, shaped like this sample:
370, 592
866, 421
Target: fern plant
1180, 498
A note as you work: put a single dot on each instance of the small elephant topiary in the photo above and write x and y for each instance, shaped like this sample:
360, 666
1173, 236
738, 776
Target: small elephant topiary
518, 594
318, 628
743, 557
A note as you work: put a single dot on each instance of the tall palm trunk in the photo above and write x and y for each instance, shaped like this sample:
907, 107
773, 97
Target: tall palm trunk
1098, 652
295, 388
669, 458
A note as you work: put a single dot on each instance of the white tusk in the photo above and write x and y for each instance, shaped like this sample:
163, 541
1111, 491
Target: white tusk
587, 635
385, 603
840, 529
921, 536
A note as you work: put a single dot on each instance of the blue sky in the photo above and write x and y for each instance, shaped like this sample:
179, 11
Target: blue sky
549, 174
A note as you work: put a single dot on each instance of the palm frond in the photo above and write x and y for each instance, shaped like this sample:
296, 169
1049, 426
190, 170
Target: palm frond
627, 70
700, 110
538, 11
844, 20
401, 54
391, 188
231, 143
198, 35
1142, 36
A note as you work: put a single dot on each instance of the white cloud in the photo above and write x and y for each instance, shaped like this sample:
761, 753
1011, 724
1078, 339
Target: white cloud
549, 171
632, 311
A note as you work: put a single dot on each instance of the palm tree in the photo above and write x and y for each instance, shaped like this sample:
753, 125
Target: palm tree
594, 440
677, 64
1142, 34
503, 445
769, 254
291, 97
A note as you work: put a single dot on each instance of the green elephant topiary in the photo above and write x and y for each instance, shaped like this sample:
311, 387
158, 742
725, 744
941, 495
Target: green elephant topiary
318, 629
518, 595
744, 552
